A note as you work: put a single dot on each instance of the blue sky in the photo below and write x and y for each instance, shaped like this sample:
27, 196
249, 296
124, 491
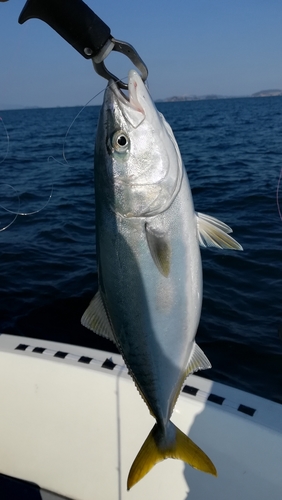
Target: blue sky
198, 47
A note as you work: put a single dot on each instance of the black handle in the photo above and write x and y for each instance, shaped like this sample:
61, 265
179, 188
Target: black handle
73, 20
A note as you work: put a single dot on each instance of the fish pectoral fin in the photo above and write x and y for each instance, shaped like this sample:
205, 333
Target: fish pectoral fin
95, 318
171, 444
198, 361
214, 233
159, 248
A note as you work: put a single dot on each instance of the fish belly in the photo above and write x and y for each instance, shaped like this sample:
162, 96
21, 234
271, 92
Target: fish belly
154, 317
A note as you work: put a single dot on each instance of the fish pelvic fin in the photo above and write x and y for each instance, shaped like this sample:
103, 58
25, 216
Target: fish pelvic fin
172, 443
159, 248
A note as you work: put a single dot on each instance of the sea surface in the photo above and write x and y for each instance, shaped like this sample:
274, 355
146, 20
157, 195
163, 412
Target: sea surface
232, 150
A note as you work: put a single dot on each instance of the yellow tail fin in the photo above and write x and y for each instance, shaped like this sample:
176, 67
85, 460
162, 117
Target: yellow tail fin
173, 444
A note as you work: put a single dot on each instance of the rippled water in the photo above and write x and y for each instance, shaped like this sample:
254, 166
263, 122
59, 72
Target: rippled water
232, 150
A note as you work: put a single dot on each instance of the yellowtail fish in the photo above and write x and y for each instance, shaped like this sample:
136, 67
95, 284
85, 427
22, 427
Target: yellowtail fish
150, 272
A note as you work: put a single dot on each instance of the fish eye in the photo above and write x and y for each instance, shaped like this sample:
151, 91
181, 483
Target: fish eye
120, 141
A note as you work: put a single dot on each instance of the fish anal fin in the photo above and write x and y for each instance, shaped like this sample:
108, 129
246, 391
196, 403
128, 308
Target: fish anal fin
95, 318
173, 444
214, 233
159, 248
198, 360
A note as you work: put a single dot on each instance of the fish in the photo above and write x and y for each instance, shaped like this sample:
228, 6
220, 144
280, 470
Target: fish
149, 264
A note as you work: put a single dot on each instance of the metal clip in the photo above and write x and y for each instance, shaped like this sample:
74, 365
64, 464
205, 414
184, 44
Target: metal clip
124, 48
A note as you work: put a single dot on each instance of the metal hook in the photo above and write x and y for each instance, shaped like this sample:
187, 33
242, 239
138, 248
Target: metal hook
124, 48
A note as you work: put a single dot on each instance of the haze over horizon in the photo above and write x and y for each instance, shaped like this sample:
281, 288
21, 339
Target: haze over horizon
194, 48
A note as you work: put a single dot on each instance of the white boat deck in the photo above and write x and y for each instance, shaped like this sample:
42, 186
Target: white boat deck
72, 422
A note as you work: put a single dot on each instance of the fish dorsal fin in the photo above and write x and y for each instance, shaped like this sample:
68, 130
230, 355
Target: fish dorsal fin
214, 233
198, 360
95, 318
159, 248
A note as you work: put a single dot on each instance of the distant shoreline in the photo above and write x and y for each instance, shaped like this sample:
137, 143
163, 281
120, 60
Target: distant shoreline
209, 97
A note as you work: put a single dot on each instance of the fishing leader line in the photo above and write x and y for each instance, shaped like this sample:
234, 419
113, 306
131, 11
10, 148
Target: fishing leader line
19, 212
277, 194
7, 139
50, 159
65, 161
15, 192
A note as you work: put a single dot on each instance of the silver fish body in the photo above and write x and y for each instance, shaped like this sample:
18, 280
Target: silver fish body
150, 273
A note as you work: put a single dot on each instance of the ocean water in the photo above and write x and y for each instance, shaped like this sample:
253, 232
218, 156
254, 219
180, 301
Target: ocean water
232, 150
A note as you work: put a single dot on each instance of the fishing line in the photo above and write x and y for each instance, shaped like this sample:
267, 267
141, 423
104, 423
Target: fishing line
7, 140
5, 184
277, 194
9, 211
27, 213
52, 158
18, 212
49, 159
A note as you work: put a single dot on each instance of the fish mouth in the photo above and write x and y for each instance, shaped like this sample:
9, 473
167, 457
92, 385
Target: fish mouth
133, 106
134, 84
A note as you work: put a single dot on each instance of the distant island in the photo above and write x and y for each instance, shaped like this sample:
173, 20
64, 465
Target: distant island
268, 93
192, 98
262, 93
